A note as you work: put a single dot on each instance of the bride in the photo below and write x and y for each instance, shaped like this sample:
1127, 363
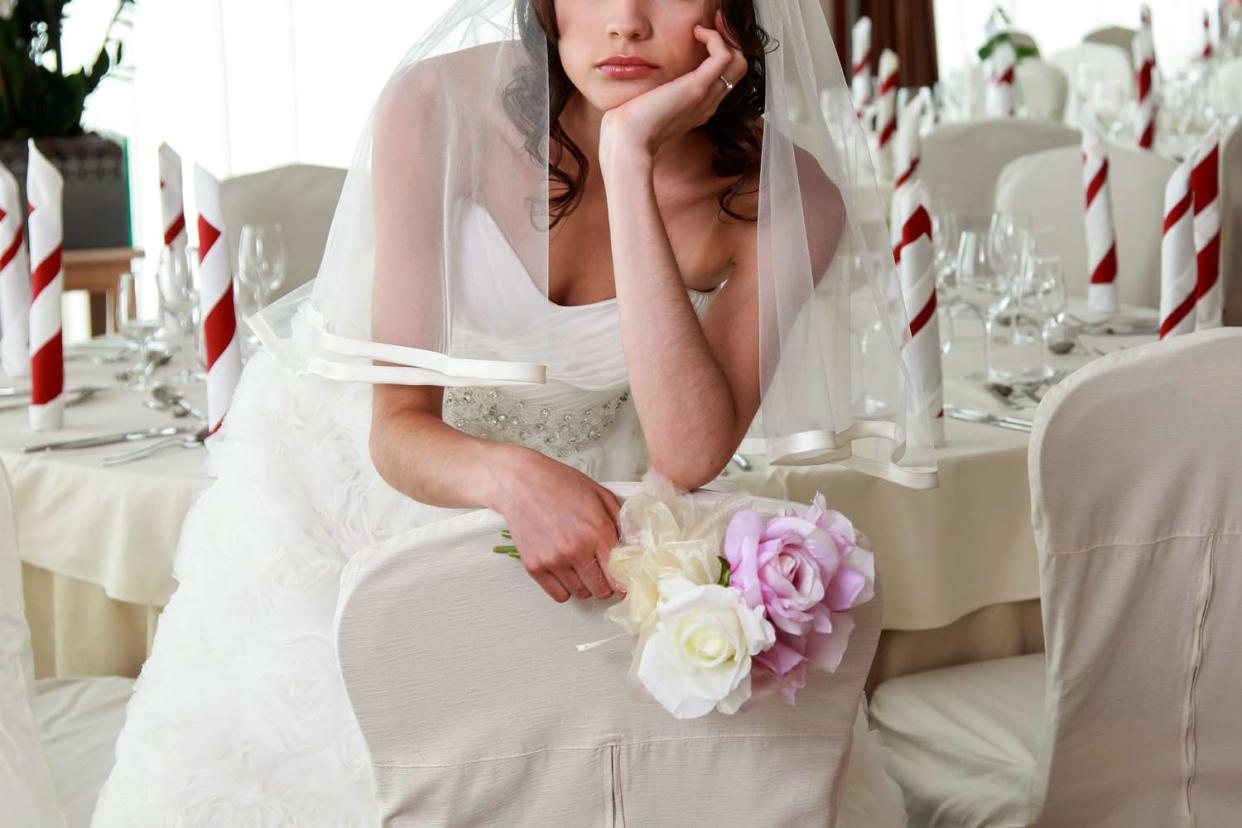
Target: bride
580, 241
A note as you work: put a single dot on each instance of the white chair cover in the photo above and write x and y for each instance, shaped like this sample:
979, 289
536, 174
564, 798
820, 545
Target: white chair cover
1135, 720
1047, 187
1231, 224
1227, 86
478, 710
1135, 484
1111, 64
1043, 89
961, 162
1116, 36
301, 198
27, 792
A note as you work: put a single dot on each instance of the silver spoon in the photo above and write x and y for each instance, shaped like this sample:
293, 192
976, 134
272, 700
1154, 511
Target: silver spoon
193, 441
1002, 393
174, 401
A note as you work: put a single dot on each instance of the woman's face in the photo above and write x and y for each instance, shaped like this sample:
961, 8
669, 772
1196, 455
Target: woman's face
656, 36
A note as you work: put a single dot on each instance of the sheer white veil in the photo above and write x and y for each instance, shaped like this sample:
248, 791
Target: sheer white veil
464, 122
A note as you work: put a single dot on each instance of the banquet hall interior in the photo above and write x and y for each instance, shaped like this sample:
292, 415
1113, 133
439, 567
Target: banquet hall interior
1054, 638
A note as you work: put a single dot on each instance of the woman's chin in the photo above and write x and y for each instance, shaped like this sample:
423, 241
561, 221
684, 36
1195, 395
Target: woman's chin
612, 94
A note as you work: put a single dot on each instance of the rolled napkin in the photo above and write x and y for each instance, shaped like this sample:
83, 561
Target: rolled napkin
909, 143
886, 126
1208, 51
45, 192
172, 210
1205, 184
915, 254
14, 280
1002, 65
1101, 238
216, 301
860, 78
1145, 15
1145, 69
1177, 257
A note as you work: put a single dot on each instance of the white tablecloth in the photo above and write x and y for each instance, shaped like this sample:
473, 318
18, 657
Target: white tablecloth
943, 554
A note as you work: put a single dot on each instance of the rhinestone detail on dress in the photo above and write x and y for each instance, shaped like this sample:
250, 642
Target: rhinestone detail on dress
493, 415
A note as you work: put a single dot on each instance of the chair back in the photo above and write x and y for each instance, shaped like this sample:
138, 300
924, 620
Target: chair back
301, 198
1047, 188
1097, 62
1119, 37
1044, 89
1135, 481
27, 791
477, 709
962, 161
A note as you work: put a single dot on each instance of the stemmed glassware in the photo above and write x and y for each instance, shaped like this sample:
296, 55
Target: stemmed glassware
180, 299
138, 320
985, 287
1041, 296
262, 260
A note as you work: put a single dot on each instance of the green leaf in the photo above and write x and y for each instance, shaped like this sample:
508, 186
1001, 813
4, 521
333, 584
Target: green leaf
726, 572
511, 551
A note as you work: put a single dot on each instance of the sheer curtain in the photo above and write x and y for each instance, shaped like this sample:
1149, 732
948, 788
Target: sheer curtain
242, 85
1056, 26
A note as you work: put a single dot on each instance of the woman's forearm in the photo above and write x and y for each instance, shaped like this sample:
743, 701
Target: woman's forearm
423, 458
683, 398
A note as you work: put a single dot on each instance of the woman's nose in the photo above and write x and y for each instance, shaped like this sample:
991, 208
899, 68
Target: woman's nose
629, 21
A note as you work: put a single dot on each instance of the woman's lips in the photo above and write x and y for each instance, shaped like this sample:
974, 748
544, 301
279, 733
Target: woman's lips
626, 68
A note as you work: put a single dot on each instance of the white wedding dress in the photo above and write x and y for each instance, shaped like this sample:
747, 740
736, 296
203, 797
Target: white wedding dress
239, 717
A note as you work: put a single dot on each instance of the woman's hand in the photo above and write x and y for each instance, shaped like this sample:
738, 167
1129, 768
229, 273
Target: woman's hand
676, 107
563, 523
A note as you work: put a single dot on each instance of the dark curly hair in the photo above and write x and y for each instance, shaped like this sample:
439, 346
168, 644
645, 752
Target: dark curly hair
734, 130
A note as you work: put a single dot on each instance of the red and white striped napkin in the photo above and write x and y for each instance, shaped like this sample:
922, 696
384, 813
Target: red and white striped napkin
1000, 101
886, 126
860, 76
216, 301
172, 208
1205, 184
909, 142
45, 189
915, 254
1145, 70
1208, 51
14, 280
1101, 237
1178, 272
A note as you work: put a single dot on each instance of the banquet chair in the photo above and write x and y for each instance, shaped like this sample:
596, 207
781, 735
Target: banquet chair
56, 735
477, 709
1046, 187
1100, 62
962, 161
1133, 717
1119, 36
1227, 86
301, 198
1231, 224
1043, 88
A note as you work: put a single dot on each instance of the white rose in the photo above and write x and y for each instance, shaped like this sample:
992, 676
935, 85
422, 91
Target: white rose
6, 8
698, 658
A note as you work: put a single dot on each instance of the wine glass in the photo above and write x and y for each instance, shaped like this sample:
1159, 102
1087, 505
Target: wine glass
1042, 297
180, 300
262, 260
984, 287
138, 316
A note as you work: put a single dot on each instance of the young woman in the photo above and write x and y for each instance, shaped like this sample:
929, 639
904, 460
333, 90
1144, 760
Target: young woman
552, 265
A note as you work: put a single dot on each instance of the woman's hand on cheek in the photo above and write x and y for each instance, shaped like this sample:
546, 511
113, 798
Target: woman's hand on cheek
641, 126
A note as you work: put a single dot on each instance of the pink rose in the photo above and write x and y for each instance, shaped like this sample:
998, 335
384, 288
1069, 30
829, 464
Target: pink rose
806, 571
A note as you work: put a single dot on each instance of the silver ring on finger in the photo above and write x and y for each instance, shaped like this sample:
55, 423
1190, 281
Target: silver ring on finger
727, 83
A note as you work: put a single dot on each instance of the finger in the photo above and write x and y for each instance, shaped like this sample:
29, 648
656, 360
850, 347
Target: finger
613, 504
603, 556
718, 55
592, 576
573, 583
551, 585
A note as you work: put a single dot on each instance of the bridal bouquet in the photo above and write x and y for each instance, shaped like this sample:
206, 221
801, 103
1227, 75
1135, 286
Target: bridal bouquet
729, 606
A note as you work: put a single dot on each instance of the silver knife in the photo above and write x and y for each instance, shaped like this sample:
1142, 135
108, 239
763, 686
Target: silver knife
24, 391
1011, 423
107, 439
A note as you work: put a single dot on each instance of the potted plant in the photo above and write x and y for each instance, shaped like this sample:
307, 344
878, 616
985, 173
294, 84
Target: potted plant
40, 100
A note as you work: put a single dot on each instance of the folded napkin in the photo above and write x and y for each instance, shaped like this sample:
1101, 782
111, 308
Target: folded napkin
886, 126
1208, 49
216, 301
915, 255
860, 79
909, 143
14, 281
45, 189
1101, 238
1177, 257
1145, 69
1002, 64
1205, 183
172, 210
